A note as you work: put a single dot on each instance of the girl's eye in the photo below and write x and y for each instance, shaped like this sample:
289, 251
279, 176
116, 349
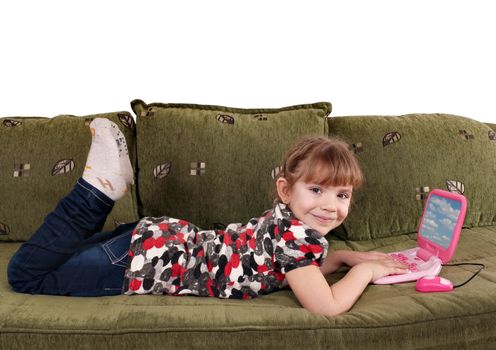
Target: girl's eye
344, 195
316, 190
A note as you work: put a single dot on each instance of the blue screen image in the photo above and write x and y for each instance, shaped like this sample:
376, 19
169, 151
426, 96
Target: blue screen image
440, 220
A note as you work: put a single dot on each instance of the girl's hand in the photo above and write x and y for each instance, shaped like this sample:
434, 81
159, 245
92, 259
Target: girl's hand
384, 267
352, 258
313, 292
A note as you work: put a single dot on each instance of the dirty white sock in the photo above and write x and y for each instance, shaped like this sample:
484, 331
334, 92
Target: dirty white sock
108, 167
125, 162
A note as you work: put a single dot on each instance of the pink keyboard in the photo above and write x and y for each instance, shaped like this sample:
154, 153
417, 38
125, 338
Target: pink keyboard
417, 267
411, 261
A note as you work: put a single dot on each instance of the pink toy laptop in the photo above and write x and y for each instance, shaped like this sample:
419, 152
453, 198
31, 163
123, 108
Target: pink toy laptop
437, 237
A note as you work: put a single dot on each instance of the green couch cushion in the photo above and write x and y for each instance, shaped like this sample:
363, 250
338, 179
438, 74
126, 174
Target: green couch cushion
385, 317
213, 165
404, 157
40, 162
493, 127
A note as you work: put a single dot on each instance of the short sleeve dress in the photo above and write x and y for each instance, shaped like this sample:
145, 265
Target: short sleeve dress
174, 257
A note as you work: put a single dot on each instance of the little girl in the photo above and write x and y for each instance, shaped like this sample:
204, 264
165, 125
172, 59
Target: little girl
68, 255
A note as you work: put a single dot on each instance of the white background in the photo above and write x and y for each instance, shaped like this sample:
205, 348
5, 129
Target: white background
365, 57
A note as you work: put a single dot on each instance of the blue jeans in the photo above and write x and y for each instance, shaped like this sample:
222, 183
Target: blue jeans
68, 255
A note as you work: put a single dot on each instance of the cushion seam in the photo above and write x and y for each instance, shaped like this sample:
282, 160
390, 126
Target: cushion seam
236, 329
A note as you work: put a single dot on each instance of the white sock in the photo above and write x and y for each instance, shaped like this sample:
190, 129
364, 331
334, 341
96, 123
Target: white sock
125, 162
108, 167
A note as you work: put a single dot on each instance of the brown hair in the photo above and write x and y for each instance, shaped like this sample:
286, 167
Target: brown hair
323, 161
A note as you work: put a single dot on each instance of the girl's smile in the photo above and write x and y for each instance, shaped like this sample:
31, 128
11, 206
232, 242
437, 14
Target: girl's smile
323, 219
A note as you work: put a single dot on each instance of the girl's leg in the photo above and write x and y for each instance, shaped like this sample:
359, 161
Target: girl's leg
77, 216
52, 260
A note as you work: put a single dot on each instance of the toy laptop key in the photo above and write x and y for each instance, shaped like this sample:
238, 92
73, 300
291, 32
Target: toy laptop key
437, 237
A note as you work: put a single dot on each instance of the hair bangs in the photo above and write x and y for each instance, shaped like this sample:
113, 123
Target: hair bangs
331, 169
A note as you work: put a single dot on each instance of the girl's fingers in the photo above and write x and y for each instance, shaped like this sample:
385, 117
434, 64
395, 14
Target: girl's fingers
400, 263
397, 264
380, 255
401, 266
401, 270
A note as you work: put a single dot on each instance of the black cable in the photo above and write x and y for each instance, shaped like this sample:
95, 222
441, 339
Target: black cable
482, 267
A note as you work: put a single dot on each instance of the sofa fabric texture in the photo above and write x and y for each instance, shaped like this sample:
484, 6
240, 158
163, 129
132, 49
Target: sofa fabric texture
404, 157
215, 165
385, 317
40, 162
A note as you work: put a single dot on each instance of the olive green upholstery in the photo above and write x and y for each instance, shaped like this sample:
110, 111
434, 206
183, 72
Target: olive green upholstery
41, 160
214, 165
385, 317
403, 157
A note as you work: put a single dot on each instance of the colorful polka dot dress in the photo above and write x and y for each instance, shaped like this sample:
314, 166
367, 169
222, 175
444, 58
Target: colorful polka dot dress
174, 257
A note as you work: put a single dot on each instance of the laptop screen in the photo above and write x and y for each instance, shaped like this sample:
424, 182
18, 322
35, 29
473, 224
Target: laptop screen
440, 220
441, 223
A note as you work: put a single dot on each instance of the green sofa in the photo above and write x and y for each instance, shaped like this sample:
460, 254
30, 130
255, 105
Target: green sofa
215, 165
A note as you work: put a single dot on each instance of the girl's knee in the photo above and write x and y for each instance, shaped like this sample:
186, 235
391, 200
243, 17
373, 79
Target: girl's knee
19, 279
13, 273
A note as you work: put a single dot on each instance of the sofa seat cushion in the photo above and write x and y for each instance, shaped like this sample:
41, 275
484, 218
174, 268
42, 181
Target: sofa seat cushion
394, 316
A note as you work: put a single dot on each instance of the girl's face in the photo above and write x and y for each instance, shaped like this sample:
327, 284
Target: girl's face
323, 208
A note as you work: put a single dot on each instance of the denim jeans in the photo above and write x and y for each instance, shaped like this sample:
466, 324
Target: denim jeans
68, 255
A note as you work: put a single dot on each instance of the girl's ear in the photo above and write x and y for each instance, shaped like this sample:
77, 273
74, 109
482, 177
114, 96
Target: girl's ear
283, 190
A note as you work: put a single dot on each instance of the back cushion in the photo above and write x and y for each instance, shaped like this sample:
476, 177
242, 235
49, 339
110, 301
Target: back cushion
40, 162
405, 157
214, 165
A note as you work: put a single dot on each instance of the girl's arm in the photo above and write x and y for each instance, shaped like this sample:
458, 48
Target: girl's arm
314, 294
332, 262
338, 258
